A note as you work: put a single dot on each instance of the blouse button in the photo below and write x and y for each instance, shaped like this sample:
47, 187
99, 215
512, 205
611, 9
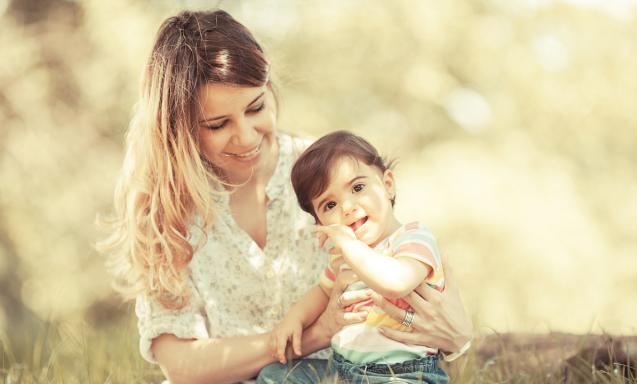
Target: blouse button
269, 275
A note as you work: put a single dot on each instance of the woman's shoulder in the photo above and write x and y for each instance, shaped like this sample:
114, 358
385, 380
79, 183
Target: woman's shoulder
294, 143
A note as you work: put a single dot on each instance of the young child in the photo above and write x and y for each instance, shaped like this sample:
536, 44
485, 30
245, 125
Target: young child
350, 190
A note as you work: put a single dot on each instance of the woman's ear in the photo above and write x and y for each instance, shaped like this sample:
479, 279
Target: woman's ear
389, 184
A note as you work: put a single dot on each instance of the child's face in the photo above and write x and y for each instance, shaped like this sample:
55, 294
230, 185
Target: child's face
358, 195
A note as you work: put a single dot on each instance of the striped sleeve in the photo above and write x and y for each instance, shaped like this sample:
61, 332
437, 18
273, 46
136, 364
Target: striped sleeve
418, 243
329, 273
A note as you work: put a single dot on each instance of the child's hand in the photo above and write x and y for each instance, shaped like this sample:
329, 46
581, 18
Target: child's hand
290, 329
337, 233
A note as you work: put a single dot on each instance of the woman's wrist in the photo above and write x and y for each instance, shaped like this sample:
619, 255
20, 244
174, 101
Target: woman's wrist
451, 356
460, 342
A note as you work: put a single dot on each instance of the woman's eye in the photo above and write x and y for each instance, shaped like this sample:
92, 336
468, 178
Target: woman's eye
358, 187
217, 126
330, 205
257, 109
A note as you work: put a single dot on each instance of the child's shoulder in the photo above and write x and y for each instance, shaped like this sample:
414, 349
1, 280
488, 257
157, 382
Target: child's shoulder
414, 227
412, 231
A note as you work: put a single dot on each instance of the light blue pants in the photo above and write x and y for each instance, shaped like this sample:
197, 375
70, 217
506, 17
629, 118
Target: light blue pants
339, 370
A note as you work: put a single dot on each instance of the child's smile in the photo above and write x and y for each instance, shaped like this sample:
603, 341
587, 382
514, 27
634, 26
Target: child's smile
358, 223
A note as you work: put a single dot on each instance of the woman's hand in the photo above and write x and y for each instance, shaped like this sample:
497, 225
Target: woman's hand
440, 319
334, 317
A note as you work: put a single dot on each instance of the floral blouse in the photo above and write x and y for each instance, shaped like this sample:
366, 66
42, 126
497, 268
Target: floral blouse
237, 288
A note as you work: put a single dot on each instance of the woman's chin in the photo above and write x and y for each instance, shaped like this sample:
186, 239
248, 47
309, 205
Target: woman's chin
239, 169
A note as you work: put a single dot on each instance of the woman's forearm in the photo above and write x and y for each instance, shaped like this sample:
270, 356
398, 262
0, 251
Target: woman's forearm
225, 360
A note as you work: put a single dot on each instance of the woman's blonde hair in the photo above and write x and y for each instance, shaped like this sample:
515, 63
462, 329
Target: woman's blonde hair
165, 180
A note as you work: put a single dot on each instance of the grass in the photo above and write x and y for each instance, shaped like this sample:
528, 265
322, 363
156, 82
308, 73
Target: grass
77, 352
552, 358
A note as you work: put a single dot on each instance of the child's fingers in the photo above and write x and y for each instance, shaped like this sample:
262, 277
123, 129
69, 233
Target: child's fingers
322, 240
272, 346
280, 349
296, 340
318, 229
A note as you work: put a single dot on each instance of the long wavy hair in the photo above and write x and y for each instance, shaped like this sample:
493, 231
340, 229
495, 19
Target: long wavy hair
166, 181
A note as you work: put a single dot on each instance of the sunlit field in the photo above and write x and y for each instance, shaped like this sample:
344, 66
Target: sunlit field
82, 353
513, 123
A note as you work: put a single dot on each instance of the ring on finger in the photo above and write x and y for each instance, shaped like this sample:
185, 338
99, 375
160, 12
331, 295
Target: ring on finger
408, 319
339, 303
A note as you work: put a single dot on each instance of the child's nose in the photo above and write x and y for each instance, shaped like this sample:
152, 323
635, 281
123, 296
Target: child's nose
348, 207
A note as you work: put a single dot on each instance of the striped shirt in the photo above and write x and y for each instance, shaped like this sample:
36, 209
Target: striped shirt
362, 343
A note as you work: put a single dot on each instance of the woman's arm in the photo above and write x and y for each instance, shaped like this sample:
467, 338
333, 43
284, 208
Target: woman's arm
225, 360
233, 359
440, 318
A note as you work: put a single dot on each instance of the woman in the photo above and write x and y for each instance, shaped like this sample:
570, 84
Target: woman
208, 235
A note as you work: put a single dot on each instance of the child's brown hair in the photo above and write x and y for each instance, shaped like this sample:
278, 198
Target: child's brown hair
311, 172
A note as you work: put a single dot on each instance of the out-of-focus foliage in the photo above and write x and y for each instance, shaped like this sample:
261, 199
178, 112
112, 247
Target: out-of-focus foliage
514, 122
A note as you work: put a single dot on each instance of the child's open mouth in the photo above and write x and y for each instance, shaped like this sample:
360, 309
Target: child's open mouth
358, 223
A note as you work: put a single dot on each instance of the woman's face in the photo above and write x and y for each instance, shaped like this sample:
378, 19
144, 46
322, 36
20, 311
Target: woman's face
236, 129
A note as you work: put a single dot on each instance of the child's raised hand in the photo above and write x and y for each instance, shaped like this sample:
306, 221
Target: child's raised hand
288, 330
337, 233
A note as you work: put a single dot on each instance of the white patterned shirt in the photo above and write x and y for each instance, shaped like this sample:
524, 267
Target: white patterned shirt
237, 288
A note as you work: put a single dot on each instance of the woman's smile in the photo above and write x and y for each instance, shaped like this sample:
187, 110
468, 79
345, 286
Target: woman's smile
248, 155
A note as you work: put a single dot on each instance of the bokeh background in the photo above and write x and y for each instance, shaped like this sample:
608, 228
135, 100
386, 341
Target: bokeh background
514, 122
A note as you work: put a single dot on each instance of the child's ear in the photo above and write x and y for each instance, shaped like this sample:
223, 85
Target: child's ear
390, 185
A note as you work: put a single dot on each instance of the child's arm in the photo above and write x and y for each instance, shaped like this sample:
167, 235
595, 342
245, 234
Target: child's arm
300, 316
310, 306
391, 277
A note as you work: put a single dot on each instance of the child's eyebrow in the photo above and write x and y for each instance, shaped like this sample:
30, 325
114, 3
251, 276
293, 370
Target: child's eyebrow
355, 180
348, 184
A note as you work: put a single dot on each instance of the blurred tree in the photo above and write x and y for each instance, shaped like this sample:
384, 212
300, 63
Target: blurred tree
23, 323
36, 11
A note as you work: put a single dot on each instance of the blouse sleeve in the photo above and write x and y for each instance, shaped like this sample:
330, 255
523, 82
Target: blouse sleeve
154, 320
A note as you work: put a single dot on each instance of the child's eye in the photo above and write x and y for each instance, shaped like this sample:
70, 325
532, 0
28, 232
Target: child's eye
329, 206
358, 187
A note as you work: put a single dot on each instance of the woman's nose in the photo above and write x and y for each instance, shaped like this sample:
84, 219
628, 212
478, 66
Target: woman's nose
245, 134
